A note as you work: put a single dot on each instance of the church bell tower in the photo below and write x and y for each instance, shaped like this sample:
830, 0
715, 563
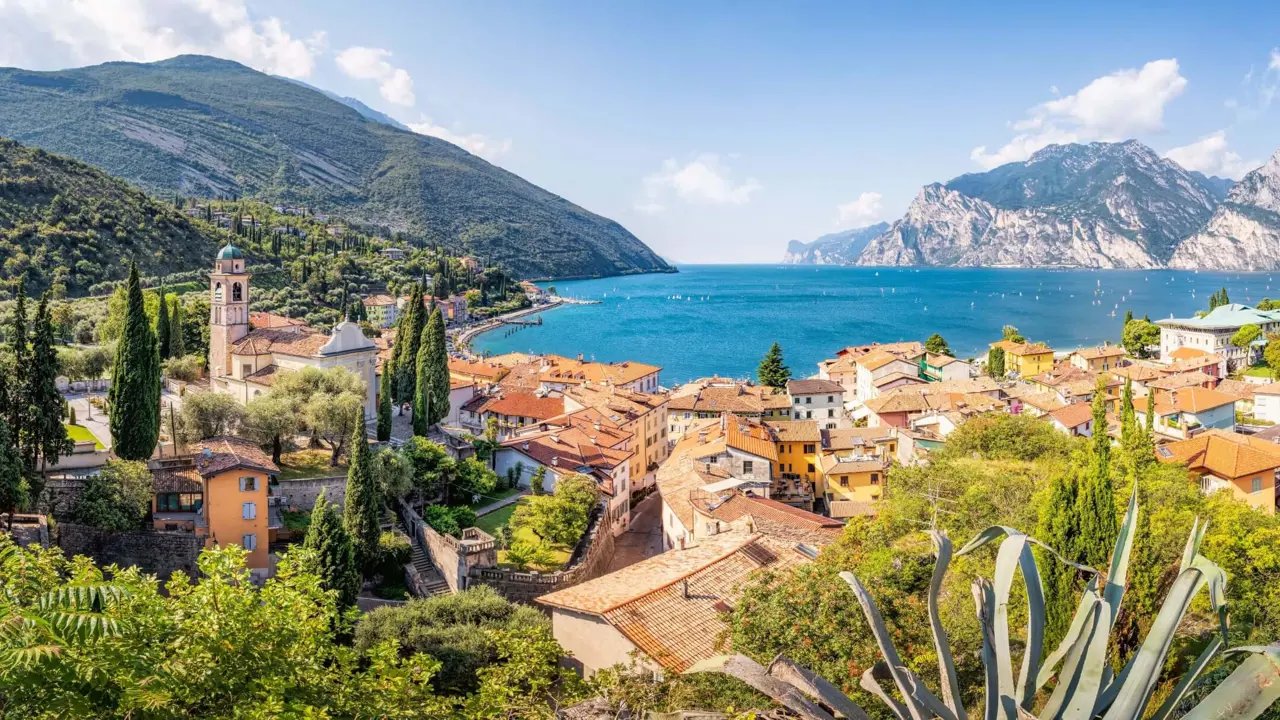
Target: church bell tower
228, 307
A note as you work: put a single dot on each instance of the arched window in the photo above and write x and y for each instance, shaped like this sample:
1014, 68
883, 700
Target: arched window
237, 293
217, 292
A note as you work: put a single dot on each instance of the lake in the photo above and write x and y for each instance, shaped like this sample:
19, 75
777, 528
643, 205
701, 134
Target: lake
710, 319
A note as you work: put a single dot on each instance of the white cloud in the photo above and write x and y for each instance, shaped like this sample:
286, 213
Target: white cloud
866, 210
1210, 156
1112, 107
705, 180
1259, 89
62, 33
475, 143
365, 63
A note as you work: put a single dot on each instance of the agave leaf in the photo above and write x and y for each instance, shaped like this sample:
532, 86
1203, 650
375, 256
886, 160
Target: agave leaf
1131, 702
1111, 688
1069, 677
1113, 593
816, 687
1188, 679
992, 533
871, 684
1192, 548
753, 673
1088, 683
985, 601
885, 643
941, 643
921, 692
1247, 692
1087, 601
1015, 553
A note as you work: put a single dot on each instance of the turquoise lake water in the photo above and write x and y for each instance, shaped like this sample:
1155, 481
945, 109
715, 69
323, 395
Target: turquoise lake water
710, 319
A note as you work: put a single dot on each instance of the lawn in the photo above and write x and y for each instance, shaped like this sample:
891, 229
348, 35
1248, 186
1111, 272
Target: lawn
490, 523
80, 433
1259, 370
494, 497
304, 464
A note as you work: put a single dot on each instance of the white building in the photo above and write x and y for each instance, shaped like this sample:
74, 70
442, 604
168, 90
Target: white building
879, 368
1185, 412
1212, 333
245, 362
1266, 402
819, 400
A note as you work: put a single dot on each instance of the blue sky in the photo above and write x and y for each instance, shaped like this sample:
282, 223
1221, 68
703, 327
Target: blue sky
717, 131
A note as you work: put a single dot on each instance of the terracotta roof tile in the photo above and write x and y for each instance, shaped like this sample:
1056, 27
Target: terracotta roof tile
226, 452
1073, 415
295, 341
1225, 454
814, 386
801, 431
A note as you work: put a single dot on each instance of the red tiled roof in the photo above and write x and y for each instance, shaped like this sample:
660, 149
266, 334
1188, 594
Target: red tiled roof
226, 452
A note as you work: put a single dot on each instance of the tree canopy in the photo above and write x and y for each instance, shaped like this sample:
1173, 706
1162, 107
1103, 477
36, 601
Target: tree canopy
773, 371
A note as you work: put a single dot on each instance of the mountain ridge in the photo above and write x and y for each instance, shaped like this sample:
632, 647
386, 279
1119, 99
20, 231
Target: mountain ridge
1244, 232
835, 248
196, 125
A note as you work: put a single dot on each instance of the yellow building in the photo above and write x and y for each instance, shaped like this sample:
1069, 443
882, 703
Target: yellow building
1025, 359
799, 445
220, 493
1098, 359
644, 415
854, 467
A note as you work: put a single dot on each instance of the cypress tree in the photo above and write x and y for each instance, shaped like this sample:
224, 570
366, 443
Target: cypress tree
384, 402
360, 516
995, 362
772, 371
334, 552
13, 484
164, 335
1058, 526
438, 367
423, 396
1096, 502
46, 435
406, 365
134, 397
177, 345
15, 401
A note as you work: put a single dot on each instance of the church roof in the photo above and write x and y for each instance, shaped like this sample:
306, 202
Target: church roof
299, 342
230, 252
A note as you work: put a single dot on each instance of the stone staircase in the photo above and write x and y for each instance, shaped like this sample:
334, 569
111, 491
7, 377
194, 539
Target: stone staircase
433, 583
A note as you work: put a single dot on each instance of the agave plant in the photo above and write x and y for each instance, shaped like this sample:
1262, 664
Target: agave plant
1086, 687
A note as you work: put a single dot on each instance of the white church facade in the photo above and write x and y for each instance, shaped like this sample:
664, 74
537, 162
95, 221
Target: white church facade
245, 361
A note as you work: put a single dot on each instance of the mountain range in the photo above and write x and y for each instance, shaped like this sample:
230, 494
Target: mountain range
195, 125
1102, 205
837, 248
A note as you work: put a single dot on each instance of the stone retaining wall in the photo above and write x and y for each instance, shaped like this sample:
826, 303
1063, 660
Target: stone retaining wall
154, 552
590, 559
454, 558
302, 494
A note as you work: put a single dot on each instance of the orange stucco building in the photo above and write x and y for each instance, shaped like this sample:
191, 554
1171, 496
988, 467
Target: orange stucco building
218, 492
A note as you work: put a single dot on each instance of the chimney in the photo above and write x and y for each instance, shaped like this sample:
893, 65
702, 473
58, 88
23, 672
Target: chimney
555, 461
524, 445
579, 357
596, 426
702, 437
555, 438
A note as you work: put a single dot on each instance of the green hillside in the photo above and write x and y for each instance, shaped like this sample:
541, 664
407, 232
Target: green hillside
67, 225
201, 126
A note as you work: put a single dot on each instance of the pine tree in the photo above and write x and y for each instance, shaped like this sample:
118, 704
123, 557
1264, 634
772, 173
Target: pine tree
164, 335
177, 345
361, 515
45, 435
384, 402
335, 554
772, 371
438, 367
134, 397
1128, 316
1096, 503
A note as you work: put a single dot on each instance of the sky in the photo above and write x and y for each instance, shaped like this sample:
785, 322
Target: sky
717, 131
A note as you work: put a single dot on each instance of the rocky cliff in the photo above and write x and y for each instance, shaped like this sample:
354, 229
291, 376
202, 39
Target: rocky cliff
839, 248
1105, 205
1244, 232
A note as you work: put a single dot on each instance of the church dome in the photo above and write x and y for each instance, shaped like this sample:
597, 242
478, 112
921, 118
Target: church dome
230, 252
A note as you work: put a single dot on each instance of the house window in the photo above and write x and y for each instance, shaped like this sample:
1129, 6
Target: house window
808, 401
810, 467
844, 481
249, 484
831, 413
831, 398
875, 478
892, 447
249, 511
245, 369
808, 414
237, 292
809, 447
746, 467
179, 502
797, 401
249, 541
1257, 484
